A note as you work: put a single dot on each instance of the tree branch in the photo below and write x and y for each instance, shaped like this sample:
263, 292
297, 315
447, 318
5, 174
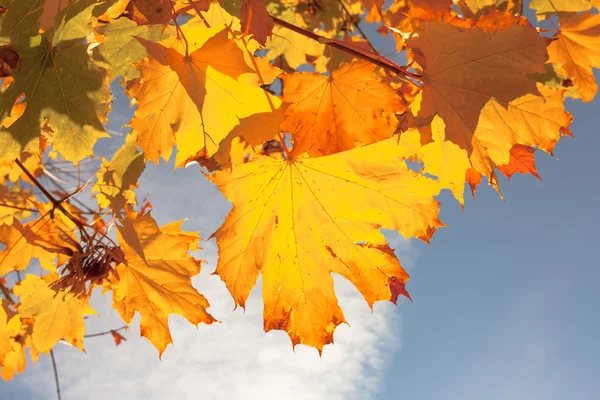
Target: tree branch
336, 44
57, 204
357, 26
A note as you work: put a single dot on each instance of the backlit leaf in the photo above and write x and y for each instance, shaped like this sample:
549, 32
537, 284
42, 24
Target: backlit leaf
332, 114
577, 50
307, 218
155, 279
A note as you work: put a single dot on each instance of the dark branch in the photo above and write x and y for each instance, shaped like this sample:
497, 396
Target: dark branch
336, 44
55, 375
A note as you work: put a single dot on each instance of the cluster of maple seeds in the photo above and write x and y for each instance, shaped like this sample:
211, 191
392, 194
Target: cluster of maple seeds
483, 89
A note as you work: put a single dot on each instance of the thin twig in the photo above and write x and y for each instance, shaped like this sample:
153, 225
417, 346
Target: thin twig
55, 375
57, 204
357, 26
336, 44
106, 333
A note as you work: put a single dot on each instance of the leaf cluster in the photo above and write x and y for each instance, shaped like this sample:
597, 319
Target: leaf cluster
293, 113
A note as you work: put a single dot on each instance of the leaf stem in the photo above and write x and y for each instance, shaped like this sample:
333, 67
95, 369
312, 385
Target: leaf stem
336, 44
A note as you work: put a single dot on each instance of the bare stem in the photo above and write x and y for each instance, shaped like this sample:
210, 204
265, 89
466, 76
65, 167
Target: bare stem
106, 333
55, 375
57, 204
336, 44
357, 26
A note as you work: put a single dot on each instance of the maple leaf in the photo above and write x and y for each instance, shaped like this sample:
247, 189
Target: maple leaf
446, 160
256, 20
117, 337
405, 17
119, 49
119, 176
374, 9
115, 10
335, 113
10, 171
14, 335
196, 97
295, 48
155, 279
14, 203
577, 50
544, 8
478, 8
151, 11
252, 130
458, 76
57, 315
307, 218
430, 10
6, 331
20, 247
486, 96
60, 83
522, 159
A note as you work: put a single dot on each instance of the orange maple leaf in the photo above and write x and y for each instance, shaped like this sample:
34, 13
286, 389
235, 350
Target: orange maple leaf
335, 113
256, 20
155, 278
577, 50
522, 159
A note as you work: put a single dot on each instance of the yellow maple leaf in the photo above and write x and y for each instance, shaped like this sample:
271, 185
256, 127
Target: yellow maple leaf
252, 130
577, 50
20, 247
15, 360
118, 177
6, 331
193, 100
335, 113
56, 315
307, 218
446, 160
477, 8
14, 203
155, 279
295, 48
545, 8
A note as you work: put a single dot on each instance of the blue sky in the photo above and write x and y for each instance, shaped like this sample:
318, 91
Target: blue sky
505, 306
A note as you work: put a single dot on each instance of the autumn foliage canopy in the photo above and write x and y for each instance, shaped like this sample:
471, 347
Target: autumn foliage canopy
314, 163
